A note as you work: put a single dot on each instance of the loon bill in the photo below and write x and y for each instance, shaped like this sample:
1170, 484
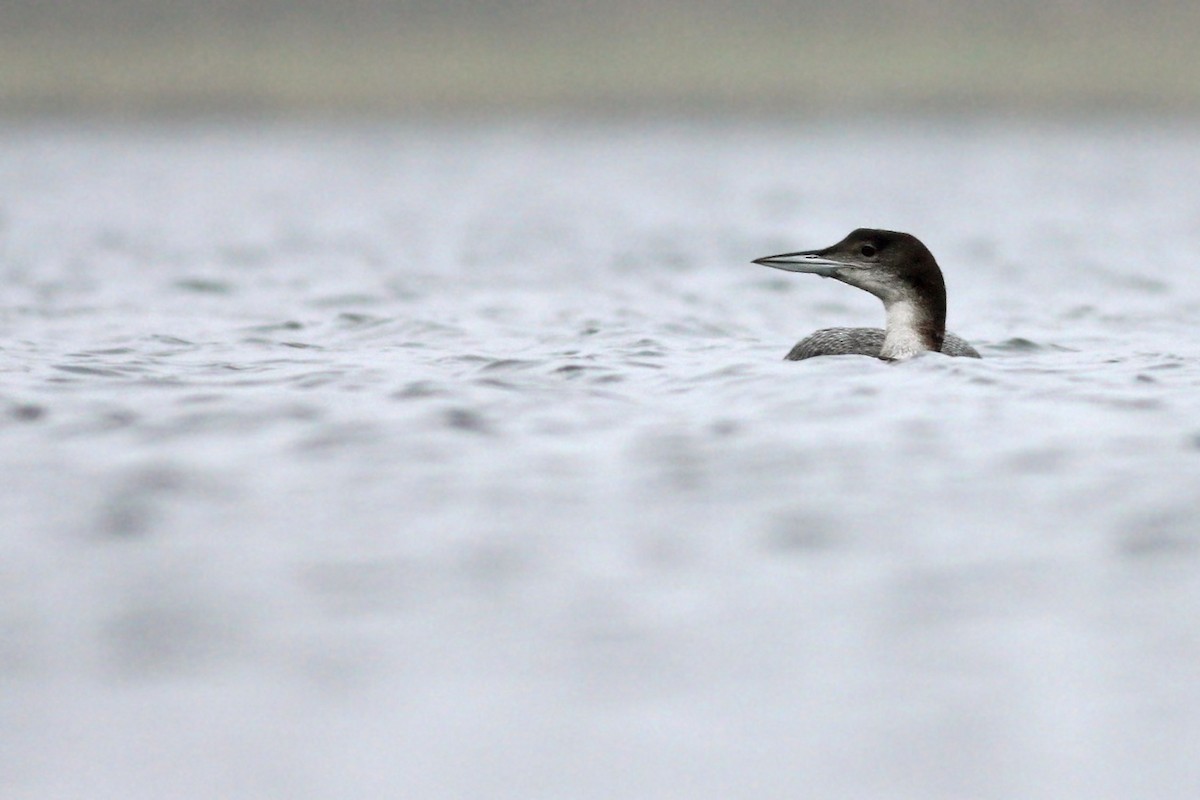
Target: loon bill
900, 271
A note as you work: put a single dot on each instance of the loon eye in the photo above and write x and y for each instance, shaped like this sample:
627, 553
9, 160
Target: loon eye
867, 250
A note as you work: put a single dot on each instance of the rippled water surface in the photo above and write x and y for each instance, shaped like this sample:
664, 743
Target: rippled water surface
458, 460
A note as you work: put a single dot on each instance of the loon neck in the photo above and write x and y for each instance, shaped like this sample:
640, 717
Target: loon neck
912, 328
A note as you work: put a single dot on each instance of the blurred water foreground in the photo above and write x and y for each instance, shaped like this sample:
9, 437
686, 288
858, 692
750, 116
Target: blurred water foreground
443, 459
376, 55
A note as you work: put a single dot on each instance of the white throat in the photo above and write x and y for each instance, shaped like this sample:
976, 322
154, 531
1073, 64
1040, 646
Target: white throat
903, 339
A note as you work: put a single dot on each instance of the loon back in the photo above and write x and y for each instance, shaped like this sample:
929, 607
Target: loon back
863, 342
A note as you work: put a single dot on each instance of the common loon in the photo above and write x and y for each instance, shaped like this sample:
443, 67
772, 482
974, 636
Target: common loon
900, 271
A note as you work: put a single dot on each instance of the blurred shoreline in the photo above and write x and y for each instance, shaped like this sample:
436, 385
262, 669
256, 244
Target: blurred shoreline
669, 64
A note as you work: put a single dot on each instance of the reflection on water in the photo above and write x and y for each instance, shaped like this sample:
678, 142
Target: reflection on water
460, 460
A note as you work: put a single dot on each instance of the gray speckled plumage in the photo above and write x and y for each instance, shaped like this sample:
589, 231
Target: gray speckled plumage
863, 342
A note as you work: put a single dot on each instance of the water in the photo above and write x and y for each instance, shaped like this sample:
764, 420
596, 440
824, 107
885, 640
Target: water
458, 460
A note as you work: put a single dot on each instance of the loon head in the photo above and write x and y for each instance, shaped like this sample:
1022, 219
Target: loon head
895, 267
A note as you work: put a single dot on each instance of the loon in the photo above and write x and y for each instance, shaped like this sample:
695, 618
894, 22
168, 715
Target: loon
900, 271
